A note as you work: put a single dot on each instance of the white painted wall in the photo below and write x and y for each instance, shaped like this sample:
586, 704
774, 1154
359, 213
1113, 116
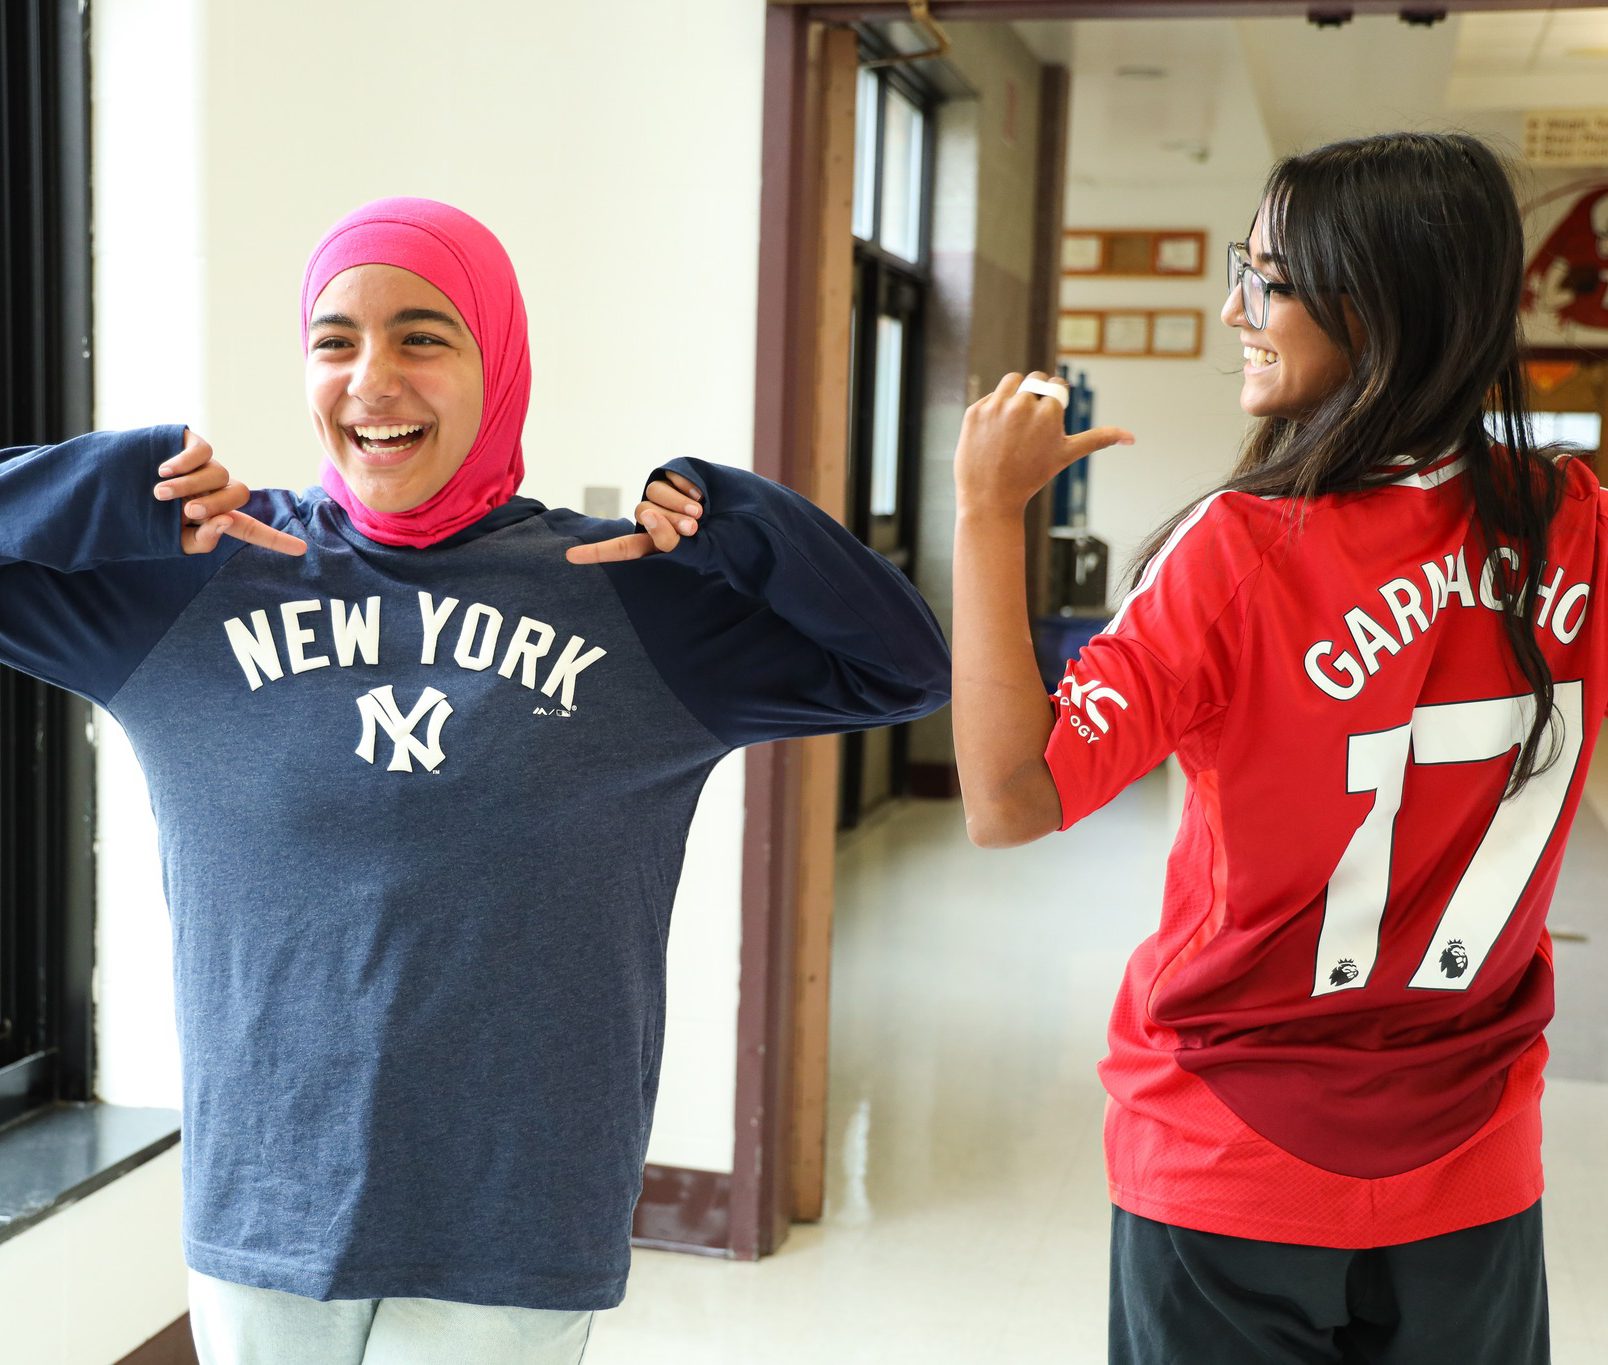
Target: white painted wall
152, 365
618, 158
99, 1278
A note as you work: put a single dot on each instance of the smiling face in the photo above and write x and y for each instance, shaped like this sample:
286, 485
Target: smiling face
395, 385
1291, 364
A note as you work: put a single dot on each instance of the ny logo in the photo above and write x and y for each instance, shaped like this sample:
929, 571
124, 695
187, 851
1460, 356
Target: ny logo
380, 712
1084, 695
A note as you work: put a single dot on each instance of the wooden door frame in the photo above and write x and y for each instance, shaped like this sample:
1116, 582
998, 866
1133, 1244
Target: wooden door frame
784, 782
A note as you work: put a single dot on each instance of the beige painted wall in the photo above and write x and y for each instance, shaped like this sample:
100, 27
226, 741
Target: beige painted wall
982, 262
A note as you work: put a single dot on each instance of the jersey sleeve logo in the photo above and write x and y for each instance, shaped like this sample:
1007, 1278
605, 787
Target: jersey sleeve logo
1085, 697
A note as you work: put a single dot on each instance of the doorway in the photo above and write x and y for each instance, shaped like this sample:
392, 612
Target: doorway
798, 296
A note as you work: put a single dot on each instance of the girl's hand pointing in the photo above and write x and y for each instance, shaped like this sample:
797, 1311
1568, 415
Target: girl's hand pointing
1013, 443
212, 503
668, 514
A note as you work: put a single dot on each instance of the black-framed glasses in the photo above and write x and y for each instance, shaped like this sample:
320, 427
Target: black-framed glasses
1254, 286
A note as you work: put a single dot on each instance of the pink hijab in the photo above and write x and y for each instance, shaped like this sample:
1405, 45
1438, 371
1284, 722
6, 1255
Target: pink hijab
462, 259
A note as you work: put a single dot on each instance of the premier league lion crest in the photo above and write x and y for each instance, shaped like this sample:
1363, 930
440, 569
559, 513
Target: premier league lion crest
1454, 961
1344, 974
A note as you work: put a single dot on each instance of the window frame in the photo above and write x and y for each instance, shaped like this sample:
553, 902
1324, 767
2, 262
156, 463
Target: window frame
886, 283
47, 755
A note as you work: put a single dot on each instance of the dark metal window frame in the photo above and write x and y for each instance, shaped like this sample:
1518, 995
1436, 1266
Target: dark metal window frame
885, 283
47, 798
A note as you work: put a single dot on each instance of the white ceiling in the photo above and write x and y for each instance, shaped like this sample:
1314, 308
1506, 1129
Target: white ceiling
1156, 100
1159, 94
1556, 60
1314, 85
1535, 39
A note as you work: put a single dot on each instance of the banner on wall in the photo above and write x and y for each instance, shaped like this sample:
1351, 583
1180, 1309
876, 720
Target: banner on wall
1566, 280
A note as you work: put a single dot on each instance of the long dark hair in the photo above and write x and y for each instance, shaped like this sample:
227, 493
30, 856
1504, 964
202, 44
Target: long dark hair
1421, 234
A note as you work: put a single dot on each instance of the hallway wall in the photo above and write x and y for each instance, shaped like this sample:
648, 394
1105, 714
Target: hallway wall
626, 188
982, 269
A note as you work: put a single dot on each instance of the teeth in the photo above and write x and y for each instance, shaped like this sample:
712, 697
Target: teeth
1259, 357
387, 432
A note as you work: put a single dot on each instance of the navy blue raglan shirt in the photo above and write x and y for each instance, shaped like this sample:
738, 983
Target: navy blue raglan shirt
422, 814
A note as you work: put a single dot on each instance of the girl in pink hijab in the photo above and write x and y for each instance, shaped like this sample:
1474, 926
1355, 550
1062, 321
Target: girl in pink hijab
418, 380
460, 399
386, 253
420, 911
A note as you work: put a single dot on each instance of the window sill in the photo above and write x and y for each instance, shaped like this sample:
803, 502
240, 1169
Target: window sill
56, 1157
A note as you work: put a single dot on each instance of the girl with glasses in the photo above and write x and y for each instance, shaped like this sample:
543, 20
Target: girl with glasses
1376, 653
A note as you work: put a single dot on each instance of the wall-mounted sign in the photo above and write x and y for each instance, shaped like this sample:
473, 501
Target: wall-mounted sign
1078, 333
1082, 253
1126, 333
1567, 137
1176, 333
1566, 280
1133, 252
1151, 333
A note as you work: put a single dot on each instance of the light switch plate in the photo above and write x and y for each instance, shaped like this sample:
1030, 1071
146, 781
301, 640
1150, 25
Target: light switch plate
601, 502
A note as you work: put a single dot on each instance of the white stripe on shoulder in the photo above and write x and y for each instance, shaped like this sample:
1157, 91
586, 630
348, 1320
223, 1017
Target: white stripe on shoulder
1152, 571
1434, 476
1441, 468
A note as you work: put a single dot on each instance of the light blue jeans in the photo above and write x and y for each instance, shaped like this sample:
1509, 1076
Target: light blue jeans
236, 1324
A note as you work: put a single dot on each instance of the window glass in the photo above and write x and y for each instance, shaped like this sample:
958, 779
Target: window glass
885, 417
901, 177
1581, 429
865, 155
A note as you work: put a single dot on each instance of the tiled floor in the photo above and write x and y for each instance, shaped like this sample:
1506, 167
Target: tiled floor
966, 1217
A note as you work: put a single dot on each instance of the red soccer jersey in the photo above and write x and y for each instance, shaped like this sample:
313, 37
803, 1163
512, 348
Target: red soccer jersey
1334, 1038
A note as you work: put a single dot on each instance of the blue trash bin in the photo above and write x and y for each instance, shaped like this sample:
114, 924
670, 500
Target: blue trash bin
1059, 638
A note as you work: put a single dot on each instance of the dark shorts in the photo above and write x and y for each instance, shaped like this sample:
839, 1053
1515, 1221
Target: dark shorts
1474, 1297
